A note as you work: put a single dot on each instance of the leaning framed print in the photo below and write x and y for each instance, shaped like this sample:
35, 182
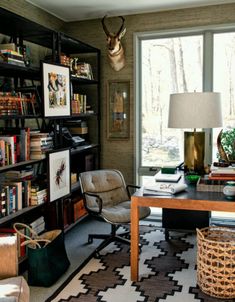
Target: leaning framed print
118, 109
56, 90
59, 174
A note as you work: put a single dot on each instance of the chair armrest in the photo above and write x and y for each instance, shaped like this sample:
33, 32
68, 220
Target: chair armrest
99, 201
128, 187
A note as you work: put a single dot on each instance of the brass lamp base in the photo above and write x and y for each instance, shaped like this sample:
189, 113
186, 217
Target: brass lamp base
194, 151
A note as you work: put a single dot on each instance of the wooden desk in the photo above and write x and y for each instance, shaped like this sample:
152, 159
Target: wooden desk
188, 200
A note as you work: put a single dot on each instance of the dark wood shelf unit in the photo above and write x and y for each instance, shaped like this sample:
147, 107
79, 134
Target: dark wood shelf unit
21, 30
14, 25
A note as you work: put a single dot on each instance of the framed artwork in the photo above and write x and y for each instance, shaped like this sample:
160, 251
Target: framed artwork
59, 174
118, 99
56, 90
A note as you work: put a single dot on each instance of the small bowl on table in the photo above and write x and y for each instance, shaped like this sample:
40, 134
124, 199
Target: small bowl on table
191, 179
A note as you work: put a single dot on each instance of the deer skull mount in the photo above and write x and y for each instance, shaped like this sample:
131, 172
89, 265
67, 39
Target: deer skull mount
116, 54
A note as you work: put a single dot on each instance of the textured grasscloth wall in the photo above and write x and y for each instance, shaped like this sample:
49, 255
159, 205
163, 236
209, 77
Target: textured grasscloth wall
120, 154
32, 12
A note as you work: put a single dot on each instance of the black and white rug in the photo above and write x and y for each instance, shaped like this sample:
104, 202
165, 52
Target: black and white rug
167, 273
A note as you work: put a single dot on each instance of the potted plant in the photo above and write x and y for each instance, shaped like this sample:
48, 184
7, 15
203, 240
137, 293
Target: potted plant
226, 145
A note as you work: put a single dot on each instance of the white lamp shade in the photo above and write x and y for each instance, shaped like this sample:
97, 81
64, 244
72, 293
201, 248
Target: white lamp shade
195, 110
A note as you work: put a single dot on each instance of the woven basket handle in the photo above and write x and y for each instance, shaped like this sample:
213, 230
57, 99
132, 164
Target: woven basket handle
17, 226
36, 242
200, 234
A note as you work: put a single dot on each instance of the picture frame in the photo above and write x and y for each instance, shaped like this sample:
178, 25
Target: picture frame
118, 109
56, 90
59, 174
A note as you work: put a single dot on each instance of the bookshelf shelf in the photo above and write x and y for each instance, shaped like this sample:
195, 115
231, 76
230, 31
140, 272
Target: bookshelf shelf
20, 165
14, 70
14, 216
83, 148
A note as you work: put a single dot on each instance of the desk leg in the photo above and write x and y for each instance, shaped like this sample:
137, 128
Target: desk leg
134, 240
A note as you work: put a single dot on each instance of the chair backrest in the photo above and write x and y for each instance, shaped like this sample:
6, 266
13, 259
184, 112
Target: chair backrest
108, 184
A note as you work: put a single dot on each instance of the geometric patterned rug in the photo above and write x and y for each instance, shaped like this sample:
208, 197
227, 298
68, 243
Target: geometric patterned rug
167, 273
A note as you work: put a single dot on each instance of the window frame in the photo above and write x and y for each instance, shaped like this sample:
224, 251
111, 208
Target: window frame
208, 34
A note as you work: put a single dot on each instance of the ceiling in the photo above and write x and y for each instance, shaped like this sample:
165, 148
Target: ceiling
74, 10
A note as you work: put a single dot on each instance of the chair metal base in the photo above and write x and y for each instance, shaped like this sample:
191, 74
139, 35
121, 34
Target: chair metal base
108, 238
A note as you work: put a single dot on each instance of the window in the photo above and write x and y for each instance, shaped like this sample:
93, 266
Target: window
174, 62
169, 65
224, 78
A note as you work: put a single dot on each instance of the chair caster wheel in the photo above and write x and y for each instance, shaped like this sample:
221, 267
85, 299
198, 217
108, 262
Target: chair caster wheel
97, 255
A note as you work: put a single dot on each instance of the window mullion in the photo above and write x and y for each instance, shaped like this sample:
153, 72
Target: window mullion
208, 86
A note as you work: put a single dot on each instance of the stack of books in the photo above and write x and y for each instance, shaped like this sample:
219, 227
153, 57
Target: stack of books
12, 57
38, 225
40, 143
222, 173
38, 196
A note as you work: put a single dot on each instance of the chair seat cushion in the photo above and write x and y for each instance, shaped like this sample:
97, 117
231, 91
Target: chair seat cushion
14, 289
121, 212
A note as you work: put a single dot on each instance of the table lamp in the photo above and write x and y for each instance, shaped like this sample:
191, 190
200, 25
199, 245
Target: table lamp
195, 110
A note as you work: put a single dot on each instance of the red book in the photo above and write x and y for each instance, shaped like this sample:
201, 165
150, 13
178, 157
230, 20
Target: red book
222, 177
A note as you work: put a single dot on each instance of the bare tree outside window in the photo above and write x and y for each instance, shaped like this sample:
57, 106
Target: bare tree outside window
169, 65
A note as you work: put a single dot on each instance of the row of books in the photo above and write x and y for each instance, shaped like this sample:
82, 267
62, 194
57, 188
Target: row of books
17, 103
15, 195
24, 146
79, 103
15, 148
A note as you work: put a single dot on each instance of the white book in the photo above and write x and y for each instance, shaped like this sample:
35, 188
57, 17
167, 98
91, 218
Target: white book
165, 188
167, 177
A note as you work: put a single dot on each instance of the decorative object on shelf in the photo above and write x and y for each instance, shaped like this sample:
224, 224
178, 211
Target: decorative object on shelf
195, 110
116, 53
56, 90
229, 190
118, 109
81, 69
59, 174
226, 145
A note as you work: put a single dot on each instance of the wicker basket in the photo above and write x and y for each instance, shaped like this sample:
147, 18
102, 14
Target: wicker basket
216, 261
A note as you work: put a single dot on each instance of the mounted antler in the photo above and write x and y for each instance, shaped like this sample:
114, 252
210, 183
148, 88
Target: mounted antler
115, 48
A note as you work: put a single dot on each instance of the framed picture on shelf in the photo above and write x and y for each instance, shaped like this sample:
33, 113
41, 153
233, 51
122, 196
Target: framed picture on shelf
56, 90
118, 109
59, 174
